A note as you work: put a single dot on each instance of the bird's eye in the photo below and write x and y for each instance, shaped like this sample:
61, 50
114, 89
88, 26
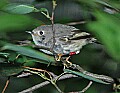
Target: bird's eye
41, 33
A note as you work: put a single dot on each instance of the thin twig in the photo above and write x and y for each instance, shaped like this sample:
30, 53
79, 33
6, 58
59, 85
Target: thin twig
6, 85
66, 76
52, 21
86, 88
76, 23
58, 89
43, 76
35, 87
24, 74
39, 70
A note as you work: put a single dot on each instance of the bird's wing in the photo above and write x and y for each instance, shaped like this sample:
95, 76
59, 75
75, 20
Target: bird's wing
79, 35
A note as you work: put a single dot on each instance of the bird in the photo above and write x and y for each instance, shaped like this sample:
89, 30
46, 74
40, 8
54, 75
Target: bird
68, 40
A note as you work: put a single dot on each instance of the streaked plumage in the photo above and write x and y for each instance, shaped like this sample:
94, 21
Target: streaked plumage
68, 39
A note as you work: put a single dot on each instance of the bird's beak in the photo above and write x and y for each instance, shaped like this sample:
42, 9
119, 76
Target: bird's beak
29, 32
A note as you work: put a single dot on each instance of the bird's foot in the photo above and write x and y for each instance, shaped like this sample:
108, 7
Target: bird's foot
58, 57
67, 63
67, 60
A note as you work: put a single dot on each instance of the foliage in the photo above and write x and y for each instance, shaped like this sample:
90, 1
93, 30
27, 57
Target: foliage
9, 69
29, 52
108, 34
19, 9
19, 56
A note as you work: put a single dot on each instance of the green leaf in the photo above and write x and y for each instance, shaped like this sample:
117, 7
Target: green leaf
85, 76
106, 28
30, 53
9, 22
19, 9
3, 3
5, 54
104, 3
7, 69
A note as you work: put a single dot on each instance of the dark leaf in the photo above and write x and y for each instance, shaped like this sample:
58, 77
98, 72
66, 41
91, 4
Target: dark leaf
7, 69
85, 76
30, 53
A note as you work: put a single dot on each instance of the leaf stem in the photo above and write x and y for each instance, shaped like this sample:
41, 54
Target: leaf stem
6, 85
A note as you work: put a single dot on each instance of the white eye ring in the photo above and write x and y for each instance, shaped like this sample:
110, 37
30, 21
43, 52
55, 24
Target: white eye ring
40, 32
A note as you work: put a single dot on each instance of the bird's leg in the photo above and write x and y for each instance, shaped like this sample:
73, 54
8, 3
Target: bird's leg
68, 62
58, 57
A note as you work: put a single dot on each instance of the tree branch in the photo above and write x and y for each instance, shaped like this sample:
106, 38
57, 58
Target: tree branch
66, 76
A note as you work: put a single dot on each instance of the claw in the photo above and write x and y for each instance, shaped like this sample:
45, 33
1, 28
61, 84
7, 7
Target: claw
67, 60
67, 63
58, 58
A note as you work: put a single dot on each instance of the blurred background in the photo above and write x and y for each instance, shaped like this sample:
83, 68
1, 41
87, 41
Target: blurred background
95, 58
